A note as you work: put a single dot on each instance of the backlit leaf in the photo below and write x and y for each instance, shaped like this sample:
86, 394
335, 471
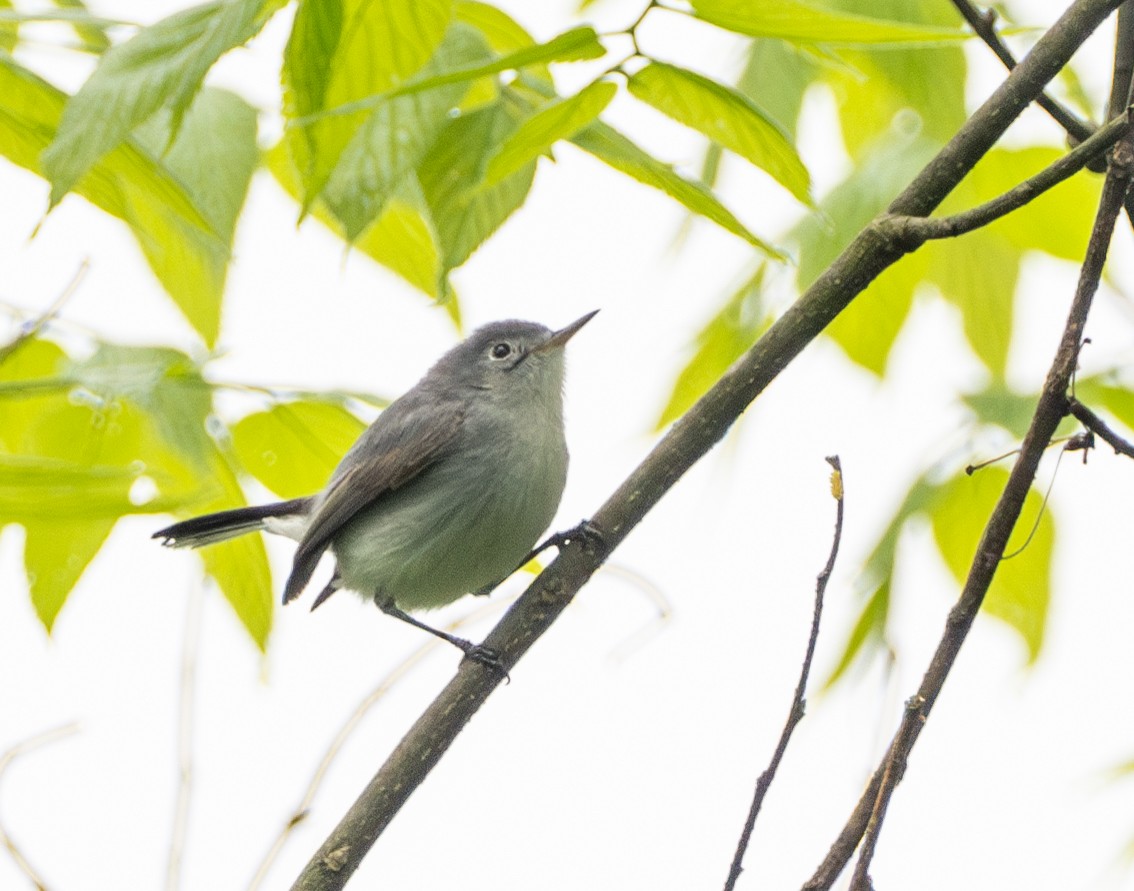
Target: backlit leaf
293, 447
559, 119
727, 117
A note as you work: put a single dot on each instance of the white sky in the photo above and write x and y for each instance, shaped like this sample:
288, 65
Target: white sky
601, 765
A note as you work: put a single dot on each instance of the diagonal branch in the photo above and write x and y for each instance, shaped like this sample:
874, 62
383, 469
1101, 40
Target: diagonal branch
984, 26
798, 703
921, 229
866, 820
871, 252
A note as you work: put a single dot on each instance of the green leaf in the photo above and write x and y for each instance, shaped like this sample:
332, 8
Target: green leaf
802, 22
182, 247
867, 329
1021, 591
56, 551
214, 155
614, 149
162, 66
46, 488
292, 448
395, 138
239, 566
977, 273
402, 239
725, 116
578, 44
464, 212
560, 118
164, 383
347, 51
720, 343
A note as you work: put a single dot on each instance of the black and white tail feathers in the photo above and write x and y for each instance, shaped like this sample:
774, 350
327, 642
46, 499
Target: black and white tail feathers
228, 524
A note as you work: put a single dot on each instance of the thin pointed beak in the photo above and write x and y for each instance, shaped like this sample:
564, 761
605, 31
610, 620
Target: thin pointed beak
560, 337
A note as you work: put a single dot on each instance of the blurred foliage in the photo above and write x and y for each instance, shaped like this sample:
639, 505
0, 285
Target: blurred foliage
414, 129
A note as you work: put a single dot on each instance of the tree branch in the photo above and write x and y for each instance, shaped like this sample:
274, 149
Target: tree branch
984, 26
798, 704
918, 230
1051, 408
871, 252
1100, 428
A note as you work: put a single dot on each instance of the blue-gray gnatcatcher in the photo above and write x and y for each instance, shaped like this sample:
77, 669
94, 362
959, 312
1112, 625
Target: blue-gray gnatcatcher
445, 493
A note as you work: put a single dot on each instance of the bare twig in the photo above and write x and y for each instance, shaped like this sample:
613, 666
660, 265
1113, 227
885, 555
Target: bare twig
798, 703
867, 256
1100, 428
6, 760
984, 25
866, 820
186, 718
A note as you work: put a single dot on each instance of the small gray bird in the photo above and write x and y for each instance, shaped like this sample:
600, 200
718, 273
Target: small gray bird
445, 493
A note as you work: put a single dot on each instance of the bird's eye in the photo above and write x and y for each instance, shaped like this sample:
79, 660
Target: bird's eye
501, 351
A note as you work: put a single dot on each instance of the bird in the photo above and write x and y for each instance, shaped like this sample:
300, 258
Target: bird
444, 494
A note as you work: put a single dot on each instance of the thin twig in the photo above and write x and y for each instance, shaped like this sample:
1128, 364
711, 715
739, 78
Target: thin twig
921, 229
186, 719
798, 703
866, 820
32, 328
1100, 428
6, 759
984, 25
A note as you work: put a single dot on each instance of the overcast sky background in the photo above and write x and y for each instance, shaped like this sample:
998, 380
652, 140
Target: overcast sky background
614, 759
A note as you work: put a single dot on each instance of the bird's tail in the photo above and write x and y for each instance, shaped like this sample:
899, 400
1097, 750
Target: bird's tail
227, 524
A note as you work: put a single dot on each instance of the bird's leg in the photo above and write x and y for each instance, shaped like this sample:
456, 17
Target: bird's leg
585, 531
484, 655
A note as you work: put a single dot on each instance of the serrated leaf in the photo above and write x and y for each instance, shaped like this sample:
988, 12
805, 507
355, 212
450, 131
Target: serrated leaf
378, 47
578, 44
292, 448
402, 239
214, 155
727, 117
464, 212
395, 138
558, 119
802, 22
1021, 590
616, 150
162, 66
182, 247
505, 35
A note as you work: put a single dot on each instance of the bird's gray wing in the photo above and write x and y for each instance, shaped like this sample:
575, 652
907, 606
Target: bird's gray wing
405, 440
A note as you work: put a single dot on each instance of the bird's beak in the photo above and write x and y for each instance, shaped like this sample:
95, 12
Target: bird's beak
560, 337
